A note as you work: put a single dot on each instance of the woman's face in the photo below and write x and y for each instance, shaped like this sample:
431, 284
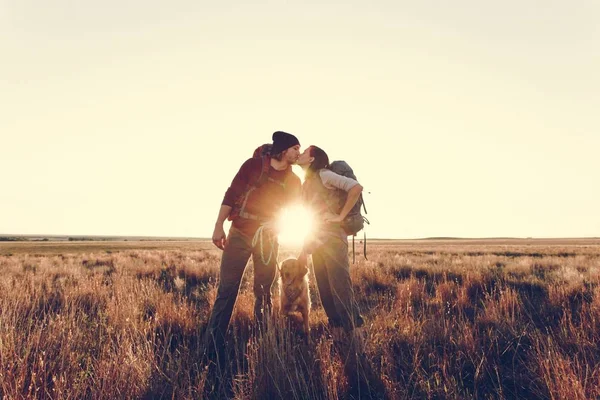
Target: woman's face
305, 158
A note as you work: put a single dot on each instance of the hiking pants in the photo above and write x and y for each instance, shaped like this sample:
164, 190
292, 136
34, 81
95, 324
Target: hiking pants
332, 274
233, 264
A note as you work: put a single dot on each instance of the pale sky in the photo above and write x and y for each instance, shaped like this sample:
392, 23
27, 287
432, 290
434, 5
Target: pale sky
461, 118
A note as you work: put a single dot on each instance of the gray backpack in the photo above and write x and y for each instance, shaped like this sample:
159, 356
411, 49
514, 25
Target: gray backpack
354, 221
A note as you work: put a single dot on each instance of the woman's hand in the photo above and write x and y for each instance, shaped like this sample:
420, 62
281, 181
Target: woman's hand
333, 218
302, 258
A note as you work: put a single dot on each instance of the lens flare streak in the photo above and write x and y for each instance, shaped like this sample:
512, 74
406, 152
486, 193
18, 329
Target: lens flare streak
294, 225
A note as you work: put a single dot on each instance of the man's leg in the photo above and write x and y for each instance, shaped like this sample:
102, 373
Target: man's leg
265, 270
233, 263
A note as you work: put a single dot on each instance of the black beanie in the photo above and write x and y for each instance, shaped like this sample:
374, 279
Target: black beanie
283, 141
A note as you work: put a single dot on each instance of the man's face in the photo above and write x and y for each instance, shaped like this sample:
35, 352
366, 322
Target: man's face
291, 154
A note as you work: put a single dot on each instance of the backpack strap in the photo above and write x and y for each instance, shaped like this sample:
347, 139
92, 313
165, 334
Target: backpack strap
363, 203
364, 247
262, 178
365, 244
264, 171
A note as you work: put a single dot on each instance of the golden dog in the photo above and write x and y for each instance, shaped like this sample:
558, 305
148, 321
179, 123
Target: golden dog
294, 291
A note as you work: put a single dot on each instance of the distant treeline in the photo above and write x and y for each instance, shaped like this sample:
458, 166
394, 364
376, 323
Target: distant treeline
20, 239
10, 239
45, 239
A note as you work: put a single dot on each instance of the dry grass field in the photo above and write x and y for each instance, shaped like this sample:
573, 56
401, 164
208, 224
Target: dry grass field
446, 319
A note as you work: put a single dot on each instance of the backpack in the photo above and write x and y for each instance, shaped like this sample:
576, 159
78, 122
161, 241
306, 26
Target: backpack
263, 152
354, 221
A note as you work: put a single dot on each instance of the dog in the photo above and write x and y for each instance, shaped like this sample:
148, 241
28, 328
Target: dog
294, 291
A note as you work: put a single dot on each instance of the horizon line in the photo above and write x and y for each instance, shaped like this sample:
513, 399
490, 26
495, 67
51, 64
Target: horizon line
15, 237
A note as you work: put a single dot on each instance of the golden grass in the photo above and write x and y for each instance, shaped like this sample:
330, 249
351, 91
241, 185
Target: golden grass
445, 319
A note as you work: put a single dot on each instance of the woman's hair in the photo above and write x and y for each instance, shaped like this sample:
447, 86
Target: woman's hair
321, 160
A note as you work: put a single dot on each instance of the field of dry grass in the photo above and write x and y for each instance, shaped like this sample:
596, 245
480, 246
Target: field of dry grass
446, 320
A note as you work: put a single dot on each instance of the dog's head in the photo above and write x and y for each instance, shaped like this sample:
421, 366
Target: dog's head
291, 270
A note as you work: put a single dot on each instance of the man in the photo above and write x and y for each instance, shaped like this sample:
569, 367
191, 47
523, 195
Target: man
260, 189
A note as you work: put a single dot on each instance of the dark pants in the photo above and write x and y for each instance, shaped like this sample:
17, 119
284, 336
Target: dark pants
332, 274
233, 264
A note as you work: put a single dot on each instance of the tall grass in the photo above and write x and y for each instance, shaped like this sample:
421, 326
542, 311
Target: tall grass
449, 322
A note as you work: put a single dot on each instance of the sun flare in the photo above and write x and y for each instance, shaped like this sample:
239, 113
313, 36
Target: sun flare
294, 225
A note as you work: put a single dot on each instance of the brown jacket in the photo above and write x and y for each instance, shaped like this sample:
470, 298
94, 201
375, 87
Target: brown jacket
264, 202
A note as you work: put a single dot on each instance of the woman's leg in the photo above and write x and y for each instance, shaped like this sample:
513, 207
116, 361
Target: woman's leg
338, 271
319, 258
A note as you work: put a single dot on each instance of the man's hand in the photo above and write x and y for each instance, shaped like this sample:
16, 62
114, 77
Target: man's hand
219, 239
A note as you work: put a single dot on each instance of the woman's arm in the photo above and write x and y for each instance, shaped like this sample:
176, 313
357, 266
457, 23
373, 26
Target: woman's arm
353, 196
351, 199
333, 181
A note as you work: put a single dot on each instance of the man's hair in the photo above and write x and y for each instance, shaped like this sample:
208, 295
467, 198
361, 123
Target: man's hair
321, 160
278, 156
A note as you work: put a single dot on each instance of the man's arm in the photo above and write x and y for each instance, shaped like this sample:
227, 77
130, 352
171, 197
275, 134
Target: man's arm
241, 180
237, 187
219, 238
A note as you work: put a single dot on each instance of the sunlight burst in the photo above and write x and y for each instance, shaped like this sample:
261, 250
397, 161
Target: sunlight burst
294, 224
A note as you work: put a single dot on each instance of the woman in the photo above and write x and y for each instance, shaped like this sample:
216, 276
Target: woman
331, 197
